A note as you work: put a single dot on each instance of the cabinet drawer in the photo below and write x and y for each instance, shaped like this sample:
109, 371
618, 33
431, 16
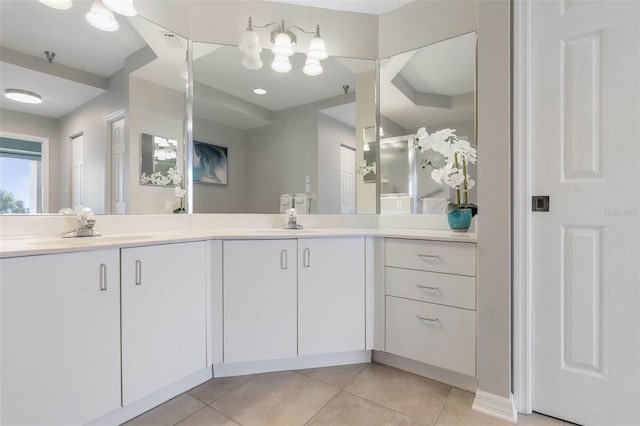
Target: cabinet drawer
435, 287
447, 341
435, 256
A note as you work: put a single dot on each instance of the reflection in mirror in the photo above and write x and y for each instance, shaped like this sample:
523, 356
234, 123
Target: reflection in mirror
100, 92
158, 160
298, 140
432, 87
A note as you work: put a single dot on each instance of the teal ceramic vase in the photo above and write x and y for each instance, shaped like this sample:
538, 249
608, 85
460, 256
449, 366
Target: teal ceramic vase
459, 220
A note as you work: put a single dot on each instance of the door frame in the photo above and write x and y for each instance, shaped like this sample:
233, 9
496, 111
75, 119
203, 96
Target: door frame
109, 120
521, 191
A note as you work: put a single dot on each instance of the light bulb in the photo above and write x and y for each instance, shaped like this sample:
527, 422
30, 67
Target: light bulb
317, 49
282, 45
23, 96
312, 67
281, 64
251, 62
250, 43
58, 4
123, 7
101, 18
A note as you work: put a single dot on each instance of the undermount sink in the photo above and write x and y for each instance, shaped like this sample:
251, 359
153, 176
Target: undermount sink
85, 240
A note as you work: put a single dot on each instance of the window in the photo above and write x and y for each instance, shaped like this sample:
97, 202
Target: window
20, 176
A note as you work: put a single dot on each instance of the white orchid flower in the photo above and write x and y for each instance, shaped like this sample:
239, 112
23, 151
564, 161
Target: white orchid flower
470, 183
179, 192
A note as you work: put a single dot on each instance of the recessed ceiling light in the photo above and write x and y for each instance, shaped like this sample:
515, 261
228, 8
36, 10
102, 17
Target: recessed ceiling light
58, 4
259, 91
23, 96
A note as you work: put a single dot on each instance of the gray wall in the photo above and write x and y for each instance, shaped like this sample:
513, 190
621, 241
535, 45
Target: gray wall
231, 198
494, 197
35, 125
89, 120
331, 135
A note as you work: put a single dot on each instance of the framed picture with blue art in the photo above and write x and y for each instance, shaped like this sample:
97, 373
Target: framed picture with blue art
209, 163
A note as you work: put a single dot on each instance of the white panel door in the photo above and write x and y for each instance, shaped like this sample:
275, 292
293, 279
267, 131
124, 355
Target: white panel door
163, 316
118, 152
260, 300
347, 180
331, 295
77, 172
586, 250
60, 317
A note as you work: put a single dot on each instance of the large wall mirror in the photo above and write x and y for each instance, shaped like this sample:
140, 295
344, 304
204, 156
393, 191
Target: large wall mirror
100, 92
433, 87
283, 138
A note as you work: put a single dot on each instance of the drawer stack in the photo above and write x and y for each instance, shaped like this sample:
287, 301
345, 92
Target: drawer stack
431, 303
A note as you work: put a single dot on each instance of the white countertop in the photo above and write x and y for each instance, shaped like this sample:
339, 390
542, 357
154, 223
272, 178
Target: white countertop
30, 246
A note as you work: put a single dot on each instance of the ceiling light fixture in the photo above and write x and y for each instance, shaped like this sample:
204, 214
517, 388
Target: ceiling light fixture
58, 4
283, 40
122, 7
23, 96
101, 18
259, 91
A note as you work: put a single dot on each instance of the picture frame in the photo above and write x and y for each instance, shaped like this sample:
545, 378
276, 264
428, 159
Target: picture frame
210, 163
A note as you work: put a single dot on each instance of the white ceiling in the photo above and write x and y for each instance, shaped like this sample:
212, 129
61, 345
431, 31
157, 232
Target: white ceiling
374, 7
31, 27
446, 68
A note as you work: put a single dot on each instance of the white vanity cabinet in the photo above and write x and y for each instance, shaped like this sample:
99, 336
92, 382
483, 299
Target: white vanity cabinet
60, 338
431, 302
163, 316
331, 295
260, 300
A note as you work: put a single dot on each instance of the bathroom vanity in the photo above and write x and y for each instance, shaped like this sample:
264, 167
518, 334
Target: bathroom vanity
99, 330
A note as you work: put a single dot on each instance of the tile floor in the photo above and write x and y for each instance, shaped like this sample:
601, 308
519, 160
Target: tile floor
350, 395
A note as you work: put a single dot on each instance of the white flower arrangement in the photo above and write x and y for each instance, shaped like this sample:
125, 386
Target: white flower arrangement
457, 153
172, 177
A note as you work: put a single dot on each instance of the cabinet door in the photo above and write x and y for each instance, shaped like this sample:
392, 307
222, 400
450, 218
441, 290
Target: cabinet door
331, 295
163, 316
60, 338
259, 300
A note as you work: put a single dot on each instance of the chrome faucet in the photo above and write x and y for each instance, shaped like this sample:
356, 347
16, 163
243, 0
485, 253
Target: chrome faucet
86, 222
292, 222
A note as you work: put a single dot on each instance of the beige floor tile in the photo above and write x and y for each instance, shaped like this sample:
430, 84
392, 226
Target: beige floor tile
338, 377
169, 413
350, 410
457, 412
207, 417
282, 399
409, 394
214, 389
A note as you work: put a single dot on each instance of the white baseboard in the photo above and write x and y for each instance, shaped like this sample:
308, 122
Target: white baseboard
496, 406
449, 377
135, 409
298, 363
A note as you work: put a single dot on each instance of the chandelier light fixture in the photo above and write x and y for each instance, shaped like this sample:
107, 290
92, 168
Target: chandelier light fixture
100, 15
284, 40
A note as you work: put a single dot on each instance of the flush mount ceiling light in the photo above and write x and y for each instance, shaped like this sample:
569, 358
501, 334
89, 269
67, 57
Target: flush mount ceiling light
23, 96
58, 4
101, 18
283, 40
259, 91
122, 7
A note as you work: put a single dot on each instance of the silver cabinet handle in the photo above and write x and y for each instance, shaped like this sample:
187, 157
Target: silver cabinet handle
284, 259
427, 319
429, 256
138, 272
306, 258
428, 287
103, 277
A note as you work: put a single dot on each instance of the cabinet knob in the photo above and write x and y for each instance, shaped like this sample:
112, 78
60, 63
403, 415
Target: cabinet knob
103, 277
139, 272
284, 259
306, 262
